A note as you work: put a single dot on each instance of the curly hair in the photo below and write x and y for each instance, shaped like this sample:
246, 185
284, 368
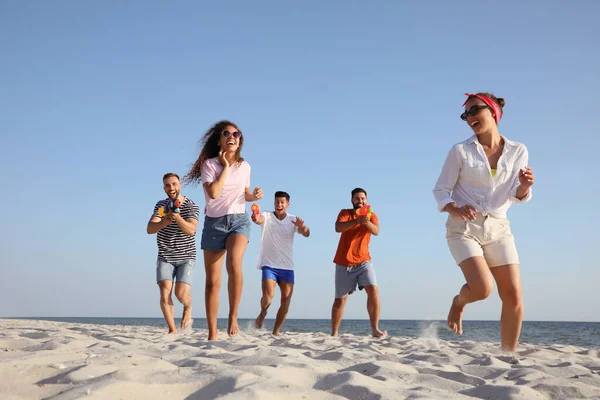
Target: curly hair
210, 149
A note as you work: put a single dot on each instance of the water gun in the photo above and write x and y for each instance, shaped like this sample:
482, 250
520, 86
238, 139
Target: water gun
172, 205
255, 209
365, 210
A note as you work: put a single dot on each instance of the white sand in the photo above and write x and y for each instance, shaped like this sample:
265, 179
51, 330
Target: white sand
42, 359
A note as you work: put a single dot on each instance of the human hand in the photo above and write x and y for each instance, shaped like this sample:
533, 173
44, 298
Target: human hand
223, 159
363, 219
526, 178
257, 193
465, 212
254, 217
176, 217
299, 222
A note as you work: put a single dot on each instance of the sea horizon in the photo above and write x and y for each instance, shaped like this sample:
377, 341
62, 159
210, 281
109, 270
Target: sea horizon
576, 333
291, 319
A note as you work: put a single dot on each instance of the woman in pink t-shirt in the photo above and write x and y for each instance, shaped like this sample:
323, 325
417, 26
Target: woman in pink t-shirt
225, 178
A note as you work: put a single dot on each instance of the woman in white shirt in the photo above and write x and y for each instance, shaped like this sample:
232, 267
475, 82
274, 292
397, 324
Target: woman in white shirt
482, 176
225, 178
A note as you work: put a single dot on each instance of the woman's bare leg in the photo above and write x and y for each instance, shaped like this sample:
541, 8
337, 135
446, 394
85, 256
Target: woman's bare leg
508, 280
236, 247
479, 286
213, 264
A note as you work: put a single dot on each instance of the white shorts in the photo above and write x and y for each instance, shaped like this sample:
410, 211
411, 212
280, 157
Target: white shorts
485, 236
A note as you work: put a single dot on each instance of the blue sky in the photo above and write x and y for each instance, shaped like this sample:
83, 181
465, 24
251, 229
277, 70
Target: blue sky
100, 99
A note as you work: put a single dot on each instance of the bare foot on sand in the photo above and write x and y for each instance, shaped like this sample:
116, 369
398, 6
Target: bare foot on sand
455, 316
213, 336
186, 317
233, 328
260, 319
378, 333
334, 333
277, 333
172, 332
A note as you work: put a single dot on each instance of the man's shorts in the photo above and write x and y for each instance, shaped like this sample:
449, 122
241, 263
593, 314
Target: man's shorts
217, 229
182, 270
485, 236
347, 279
278, 274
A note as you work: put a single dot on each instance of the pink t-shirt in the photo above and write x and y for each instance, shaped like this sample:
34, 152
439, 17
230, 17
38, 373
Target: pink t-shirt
232, 198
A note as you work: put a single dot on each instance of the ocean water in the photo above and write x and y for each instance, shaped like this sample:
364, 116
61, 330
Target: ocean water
583, 334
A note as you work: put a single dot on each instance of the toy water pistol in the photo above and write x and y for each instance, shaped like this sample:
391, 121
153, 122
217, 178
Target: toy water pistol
172, 205
255, 209
365, 210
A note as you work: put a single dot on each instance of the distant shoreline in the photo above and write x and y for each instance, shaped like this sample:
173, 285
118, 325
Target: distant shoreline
576, 333
310, 319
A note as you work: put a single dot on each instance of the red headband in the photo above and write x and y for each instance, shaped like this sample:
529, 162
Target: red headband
490, 102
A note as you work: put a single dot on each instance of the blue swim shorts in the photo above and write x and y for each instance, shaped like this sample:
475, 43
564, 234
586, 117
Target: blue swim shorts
217, 229
277, 274
183, 271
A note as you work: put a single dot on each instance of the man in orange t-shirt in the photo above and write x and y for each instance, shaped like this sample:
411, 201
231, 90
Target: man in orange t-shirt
352, 260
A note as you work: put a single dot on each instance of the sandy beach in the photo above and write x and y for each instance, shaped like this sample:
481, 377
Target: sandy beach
52, 360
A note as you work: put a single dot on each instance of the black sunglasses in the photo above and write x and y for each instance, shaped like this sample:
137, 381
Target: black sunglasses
235, 134
472, 111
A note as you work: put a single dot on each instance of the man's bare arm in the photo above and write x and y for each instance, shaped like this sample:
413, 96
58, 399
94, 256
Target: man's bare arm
156, 224
344, 226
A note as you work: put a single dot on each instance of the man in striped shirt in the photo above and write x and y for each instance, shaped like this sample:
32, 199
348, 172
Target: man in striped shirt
175, 231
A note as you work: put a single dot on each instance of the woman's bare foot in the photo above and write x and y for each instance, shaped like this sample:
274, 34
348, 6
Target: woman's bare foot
455, 316
213, 335
277, 333
233, 328
378, 333
186, 317
172, 332
260, 319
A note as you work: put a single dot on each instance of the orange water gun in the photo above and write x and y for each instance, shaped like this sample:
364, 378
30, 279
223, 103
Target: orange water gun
365, 210
255, 209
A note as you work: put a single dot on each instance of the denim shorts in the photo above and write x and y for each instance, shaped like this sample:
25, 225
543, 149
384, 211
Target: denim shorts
217, 229
278, 274
348, 278
182, 270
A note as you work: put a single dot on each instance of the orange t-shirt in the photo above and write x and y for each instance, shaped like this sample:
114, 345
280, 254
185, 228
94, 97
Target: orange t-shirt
353, 247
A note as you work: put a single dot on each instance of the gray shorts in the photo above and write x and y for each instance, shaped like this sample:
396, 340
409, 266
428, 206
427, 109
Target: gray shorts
348, 278
217, 229
182, 270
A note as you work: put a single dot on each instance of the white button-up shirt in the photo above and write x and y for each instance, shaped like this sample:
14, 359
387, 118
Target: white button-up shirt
466, 178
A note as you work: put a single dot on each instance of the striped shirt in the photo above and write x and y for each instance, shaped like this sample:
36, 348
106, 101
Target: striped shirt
173, 243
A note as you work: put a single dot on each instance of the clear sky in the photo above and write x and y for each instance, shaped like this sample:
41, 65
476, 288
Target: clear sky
100, 99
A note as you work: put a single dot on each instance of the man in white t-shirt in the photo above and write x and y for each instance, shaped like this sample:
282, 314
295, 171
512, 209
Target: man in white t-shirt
276, 256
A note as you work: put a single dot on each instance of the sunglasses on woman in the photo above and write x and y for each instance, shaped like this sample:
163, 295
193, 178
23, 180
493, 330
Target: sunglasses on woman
235, 134
472, 111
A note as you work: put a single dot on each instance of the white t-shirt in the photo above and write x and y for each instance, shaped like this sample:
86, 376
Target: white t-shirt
232, 199
277, 242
